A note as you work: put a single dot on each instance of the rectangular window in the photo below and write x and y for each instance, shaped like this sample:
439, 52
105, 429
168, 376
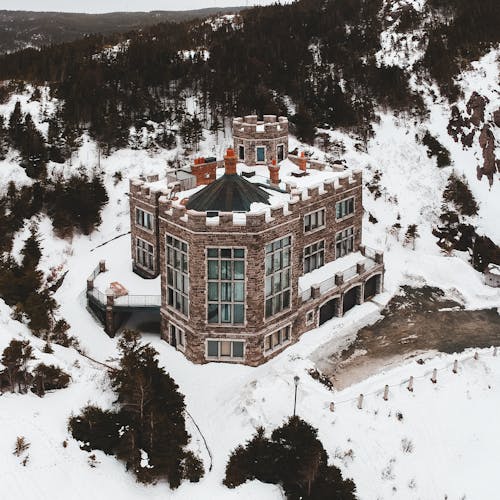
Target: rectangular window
225, 349
226, 285
177, 338
280, 152
261, 153
145, 254
314, 256
241, 152
314, 220
177, 274
144, 219
277, 339
344, 208
344, 242
278, 270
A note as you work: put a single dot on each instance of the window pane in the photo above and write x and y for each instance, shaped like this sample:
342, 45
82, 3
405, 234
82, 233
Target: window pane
225, 252
239, 253
261, 154
213, 252
238, 313
225, 270
225, 291
225, 348
267, 343
225, 313
213, 348
239, 270
239, 290
269, 286
269, 307
286, 299
213, 313
213, 269
237, 349
213, 291
269, 264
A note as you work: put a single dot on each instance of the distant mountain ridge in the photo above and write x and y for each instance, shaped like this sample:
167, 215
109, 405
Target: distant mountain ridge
22, 29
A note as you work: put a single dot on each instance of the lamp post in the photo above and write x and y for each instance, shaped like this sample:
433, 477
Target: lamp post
296, 381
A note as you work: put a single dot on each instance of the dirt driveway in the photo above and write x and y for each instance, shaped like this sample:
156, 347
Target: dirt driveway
418, 321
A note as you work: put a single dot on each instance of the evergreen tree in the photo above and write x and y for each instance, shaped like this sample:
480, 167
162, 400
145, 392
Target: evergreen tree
15, 359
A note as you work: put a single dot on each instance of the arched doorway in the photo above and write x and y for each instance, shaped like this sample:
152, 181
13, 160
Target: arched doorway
328, 310
351, 298
372, 286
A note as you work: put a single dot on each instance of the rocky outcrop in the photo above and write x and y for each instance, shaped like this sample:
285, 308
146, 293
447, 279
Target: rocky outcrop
475, 108
496, 117
490, 163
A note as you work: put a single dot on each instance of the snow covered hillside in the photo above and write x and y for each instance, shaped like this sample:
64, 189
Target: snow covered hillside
438, 442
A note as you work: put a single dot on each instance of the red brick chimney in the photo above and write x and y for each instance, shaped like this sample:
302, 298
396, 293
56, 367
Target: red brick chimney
302, 161
230, 162
274, 173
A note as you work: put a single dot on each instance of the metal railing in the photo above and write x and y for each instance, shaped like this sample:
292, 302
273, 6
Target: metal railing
95, 273
138, 301
97, 296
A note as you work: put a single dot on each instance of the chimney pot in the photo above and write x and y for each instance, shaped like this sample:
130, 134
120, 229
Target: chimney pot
230, 162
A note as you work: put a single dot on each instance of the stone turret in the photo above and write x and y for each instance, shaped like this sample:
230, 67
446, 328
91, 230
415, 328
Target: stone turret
259, 142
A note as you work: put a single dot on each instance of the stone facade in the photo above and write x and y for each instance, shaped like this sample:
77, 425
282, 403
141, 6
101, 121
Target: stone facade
271, 134
200, 233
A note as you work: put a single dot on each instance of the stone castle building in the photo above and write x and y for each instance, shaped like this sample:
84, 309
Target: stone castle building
254, 250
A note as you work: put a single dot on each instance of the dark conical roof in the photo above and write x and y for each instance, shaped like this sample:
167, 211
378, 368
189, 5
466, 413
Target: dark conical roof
229, 193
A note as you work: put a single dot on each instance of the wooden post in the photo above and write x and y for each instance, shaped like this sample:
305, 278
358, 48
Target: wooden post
386, 392
360, 401
410, 384
455, 366
332, 406
476, 355
90, 284
434, 376
102, 266
495, 351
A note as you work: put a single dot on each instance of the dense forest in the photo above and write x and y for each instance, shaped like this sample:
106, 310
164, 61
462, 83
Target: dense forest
323, 60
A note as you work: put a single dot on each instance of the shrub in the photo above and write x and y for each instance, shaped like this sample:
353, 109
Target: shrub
457, 191
146, 429
294, 458
435, 148
47, 378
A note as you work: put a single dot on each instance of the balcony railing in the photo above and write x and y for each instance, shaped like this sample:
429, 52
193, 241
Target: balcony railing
347, 274
138, 301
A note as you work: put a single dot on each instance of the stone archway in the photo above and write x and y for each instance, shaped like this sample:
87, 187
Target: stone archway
351, 298
329, 310
372, 286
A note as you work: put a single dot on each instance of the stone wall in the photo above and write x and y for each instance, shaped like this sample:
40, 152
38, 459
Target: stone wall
193, 228
250, 133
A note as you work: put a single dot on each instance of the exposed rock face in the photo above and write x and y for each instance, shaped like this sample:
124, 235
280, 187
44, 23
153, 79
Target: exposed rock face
475, 108
496, 117
464, 127
487, 143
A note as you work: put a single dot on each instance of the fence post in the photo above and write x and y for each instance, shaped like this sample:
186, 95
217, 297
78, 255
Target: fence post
410, 384
332, 406
495, 351
360, 401
455, 366
102, 266
90, 284
476, 355
386, 393
434, 376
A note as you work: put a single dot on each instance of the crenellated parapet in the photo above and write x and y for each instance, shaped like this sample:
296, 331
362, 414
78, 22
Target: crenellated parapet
300, 201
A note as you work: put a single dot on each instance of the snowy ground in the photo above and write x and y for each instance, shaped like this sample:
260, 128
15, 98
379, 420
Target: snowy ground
454, 444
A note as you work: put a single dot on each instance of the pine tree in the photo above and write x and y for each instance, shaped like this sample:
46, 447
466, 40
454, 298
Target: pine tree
15, 359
